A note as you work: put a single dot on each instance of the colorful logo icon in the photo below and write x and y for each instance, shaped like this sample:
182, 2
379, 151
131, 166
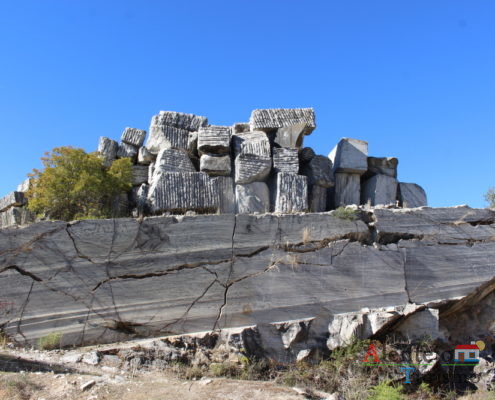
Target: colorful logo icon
468, 353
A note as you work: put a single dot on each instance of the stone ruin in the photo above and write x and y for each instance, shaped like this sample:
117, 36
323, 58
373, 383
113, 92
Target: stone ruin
259, 166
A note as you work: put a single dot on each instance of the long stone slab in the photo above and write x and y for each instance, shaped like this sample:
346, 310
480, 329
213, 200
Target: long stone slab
214, 139
282, 117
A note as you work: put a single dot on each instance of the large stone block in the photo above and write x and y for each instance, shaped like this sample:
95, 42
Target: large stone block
139, 174
127, 151
379, 189
173, 160
145, 157
192, 145
25, 185
317, 198
133, 136
16, 216
240, 127
347, 189
166, 137
189, 122
215, 165
226, 194
214, 139
306, 154
269, 119
108, 149
350, 156
292, 193
181, 191
291, 136
252, 198
252, 157
319, 171
13, 199
411, 195
285, 160
382, 165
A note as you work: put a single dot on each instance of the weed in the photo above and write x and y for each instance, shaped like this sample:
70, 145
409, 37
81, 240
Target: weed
306, 236
384, 391
345, 213
50, 341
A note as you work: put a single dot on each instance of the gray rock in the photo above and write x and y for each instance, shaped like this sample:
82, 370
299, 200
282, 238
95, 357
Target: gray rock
282, 117
379, 189
108, 149
215, 165
240, 127
192, 145
319, 171
173, 160
285, 160
71, 357
214, 139
347, 189
145, 157
151, 172
226, 194
139, 174
178, 192
127, 150
421, 324
133, 136
382, 165
142, 198
292, 193
88, 385
411, 195
163, 137
13, 199
252, 157
291, 136
252, 198
350, 156
188, 122
91, 358
306, 154
16, 216
25, 185
317, 198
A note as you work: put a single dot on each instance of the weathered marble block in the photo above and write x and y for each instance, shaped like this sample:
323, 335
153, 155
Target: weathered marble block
139, 174
133, 136
214, 139
306, 154
382, 165
192, 145
253, 160
292, 193
285, 160
127, 150
144, 156
13, 199
350, 156
166, 137
173, 160
317, 198
319, 171
291, 136
226, 194
252, 198
411, 195
189, 122
215, 165
268, 119
108, 149
379, 189
240, 127
16, 216
141, 197
181, 191
24, 186
347, 189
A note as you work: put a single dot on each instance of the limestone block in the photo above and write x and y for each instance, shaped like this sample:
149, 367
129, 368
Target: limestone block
285, 160
421, 324
24, 186
319, 171
144, 156
181, 191
292, 193
226, 194
13, 199
347, 189
108, 149
291, 136
379, 189
192, 145
139, 174
173, 160
142, 197
306, 154
350, 156
16, 216
189, 122
166, 137
133, 136
282, 117
252, 198
317, 198
252, 157
215, 165
151, 171
127, 150
411, 195
382, 165
214, 139
240, 127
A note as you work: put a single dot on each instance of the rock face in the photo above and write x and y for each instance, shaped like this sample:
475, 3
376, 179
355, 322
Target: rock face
108, 149
350, 156
133, 136
411, 195
292, 193
252, 198
379, 189
347, 189
108, 280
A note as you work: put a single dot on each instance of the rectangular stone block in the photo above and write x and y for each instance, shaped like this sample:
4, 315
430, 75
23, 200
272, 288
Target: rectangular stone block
268, 119
24, 186
347, 189
226, 194
108, 149
214, 139
292, 193
379, 189
139, 174
133, 136
319, 171
215, 165
16, 216
189, 122
173, 160
285, 160
166, 137
382, 165
317, 198
253, 160
13, 199
145, 157
127, 150
350, 156
252, 198
181, 191
411, 195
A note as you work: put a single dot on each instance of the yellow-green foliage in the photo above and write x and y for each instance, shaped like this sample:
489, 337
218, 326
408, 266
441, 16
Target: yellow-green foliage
345, 213
77, 185
383, 391
50, 341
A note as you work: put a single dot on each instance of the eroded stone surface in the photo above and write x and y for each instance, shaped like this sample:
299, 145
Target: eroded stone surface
214, 139
252, 198
292, 193
350, 156
285, 160
108, 149
347, 189
282, 117
133, 136
253, 160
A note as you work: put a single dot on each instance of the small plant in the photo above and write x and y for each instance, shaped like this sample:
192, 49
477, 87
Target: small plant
345, 213
4, 339
490, 197
50, 341
383, 391
306, 236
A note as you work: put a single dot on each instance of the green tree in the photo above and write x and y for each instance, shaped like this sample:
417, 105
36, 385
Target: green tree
75, 184
490, 197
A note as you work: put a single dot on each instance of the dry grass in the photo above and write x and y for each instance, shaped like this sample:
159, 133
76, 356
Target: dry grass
17, 387
306, 236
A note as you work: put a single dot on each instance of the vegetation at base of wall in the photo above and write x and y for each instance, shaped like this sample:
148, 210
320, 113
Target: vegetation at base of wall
490, 197
345, 213
50, 341
77, 185
386, 391
17, 387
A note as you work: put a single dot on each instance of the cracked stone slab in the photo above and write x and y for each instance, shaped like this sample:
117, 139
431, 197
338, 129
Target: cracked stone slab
282, 117
133, 136
13, 199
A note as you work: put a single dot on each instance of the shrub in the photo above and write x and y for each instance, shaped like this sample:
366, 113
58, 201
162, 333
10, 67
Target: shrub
50, 341
383, 391
345, 213
490, 197
77, 185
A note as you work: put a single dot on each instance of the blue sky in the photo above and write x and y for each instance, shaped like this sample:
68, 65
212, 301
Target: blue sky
414, 78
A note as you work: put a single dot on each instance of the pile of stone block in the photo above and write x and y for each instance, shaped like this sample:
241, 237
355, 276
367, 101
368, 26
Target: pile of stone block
12, 207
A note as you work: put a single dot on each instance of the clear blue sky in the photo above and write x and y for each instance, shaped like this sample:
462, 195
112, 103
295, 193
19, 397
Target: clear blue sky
414, 78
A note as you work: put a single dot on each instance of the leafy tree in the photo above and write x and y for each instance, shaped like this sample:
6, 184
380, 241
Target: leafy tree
490, 197
75, 184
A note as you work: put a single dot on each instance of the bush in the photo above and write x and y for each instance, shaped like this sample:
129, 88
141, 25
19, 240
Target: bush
490, 197
345, 213
383, 391
50, 341
77, 185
